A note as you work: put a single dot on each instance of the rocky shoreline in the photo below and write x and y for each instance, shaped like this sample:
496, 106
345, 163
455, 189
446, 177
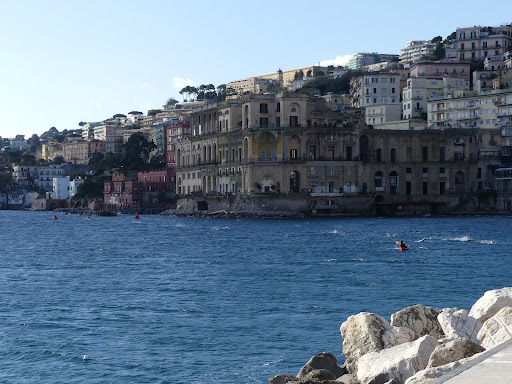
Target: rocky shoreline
233, 214
419, 345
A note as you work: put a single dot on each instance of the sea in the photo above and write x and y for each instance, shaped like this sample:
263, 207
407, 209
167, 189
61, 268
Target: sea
163, 299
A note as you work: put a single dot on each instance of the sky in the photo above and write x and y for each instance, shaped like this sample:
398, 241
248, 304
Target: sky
63, 62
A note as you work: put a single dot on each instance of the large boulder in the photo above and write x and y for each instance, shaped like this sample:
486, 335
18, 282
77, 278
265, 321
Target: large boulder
318, 375
325, 361
347, 379
367, 332
421, 319
497, 329
460, 325
490, 303
399, 362
450, 350
283, 379
430, 375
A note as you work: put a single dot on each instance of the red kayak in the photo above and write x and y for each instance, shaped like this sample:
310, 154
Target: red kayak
403, 248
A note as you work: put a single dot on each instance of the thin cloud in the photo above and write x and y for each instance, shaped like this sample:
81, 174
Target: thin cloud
146, 85
179, 83
95, 103
339, 60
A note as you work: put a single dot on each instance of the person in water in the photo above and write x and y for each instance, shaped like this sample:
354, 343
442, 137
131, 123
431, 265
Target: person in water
402, 244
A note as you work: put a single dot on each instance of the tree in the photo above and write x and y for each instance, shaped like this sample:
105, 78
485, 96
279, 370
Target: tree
170, 104
153, 112
299, 75
34, 143
20, 137
221, 92
27, 159
135, 113
118, 115
53, 130
437, 39
318, 72
308, 73
91, 187
58, 160
82, 123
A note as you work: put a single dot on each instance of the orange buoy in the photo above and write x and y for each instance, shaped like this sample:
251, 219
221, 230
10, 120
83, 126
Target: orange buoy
55, 217
137, 216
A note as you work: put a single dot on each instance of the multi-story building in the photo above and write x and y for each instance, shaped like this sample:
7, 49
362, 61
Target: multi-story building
415, 50
259, 84
80, 152
25, 175
312, 158
432, 79
477, 43
375, 89
359, 60
175, 134
51, 150
108, 133
63, 188
46, 175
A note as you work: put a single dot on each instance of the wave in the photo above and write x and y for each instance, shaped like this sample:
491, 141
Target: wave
423, 239
465, 239
487, 242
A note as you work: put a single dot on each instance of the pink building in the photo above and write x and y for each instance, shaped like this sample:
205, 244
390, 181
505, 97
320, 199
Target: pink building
122, 192
158, 181
175, 134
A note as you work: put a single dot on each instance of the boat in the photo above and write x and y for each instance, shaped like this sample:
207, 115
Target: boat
403, 248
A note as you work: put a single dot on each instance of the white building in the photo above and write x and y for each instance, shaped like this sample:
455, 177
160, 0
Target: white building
415, 50
46, 174
64, 188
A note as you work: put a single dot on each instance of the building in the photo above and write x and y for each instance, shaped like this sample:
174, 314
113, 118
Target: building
47, 174
415, 50
108, 133
478, 43
25, 175
259, 84
175, 134
429, 80
375, 88
80, 152
51, 150
360, 60
63, 188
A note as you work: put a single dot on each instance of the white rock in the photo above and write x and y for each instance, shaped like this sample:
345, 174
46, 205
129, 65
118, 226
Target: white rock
429, 375
368, 332
451, 350
497, 329
460, 325
399, 362
490, 303
420, 318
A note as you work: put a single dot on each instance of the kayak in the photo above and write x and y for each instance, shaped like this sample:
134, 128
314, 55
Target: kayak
403, 248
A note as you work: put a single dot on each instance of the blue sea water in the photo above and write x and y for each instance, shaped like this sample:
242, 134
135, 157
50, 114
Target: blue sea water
188, 300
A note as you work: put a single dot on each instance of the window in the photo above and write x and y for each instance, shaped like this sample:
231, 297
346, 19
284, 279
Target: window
441, 171
393, 155
425, 188
408, 188
392, 80
293, 154
263, 108
424, 153
441, 154
479, 173
378, 179
383, 80
408, 154
378, 154
331, 171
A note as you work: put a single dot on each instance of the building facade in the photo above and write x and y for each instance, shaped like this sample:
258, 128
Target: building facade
478, 43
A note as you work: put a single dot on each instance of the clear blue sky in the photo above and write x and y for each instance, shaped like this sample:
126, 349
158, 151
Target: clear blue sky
63, 62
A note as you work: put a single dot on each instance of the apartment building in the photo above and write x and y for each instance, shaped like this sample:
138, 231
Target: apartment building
477, 43
360, 60
174, 135
375, 89
51, 150
47, 174
432, 79
415, 50
80, 152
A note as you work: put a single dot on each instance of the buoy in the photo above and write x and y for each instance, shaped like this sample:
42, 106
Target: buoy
55, 217
137, 216
85, 357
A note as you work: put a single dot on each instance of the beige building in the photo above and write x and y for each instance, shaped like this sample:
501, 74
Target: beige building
80, 152
51, 150
259, 84
477, 43
429, 80
378, 115
375, 88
